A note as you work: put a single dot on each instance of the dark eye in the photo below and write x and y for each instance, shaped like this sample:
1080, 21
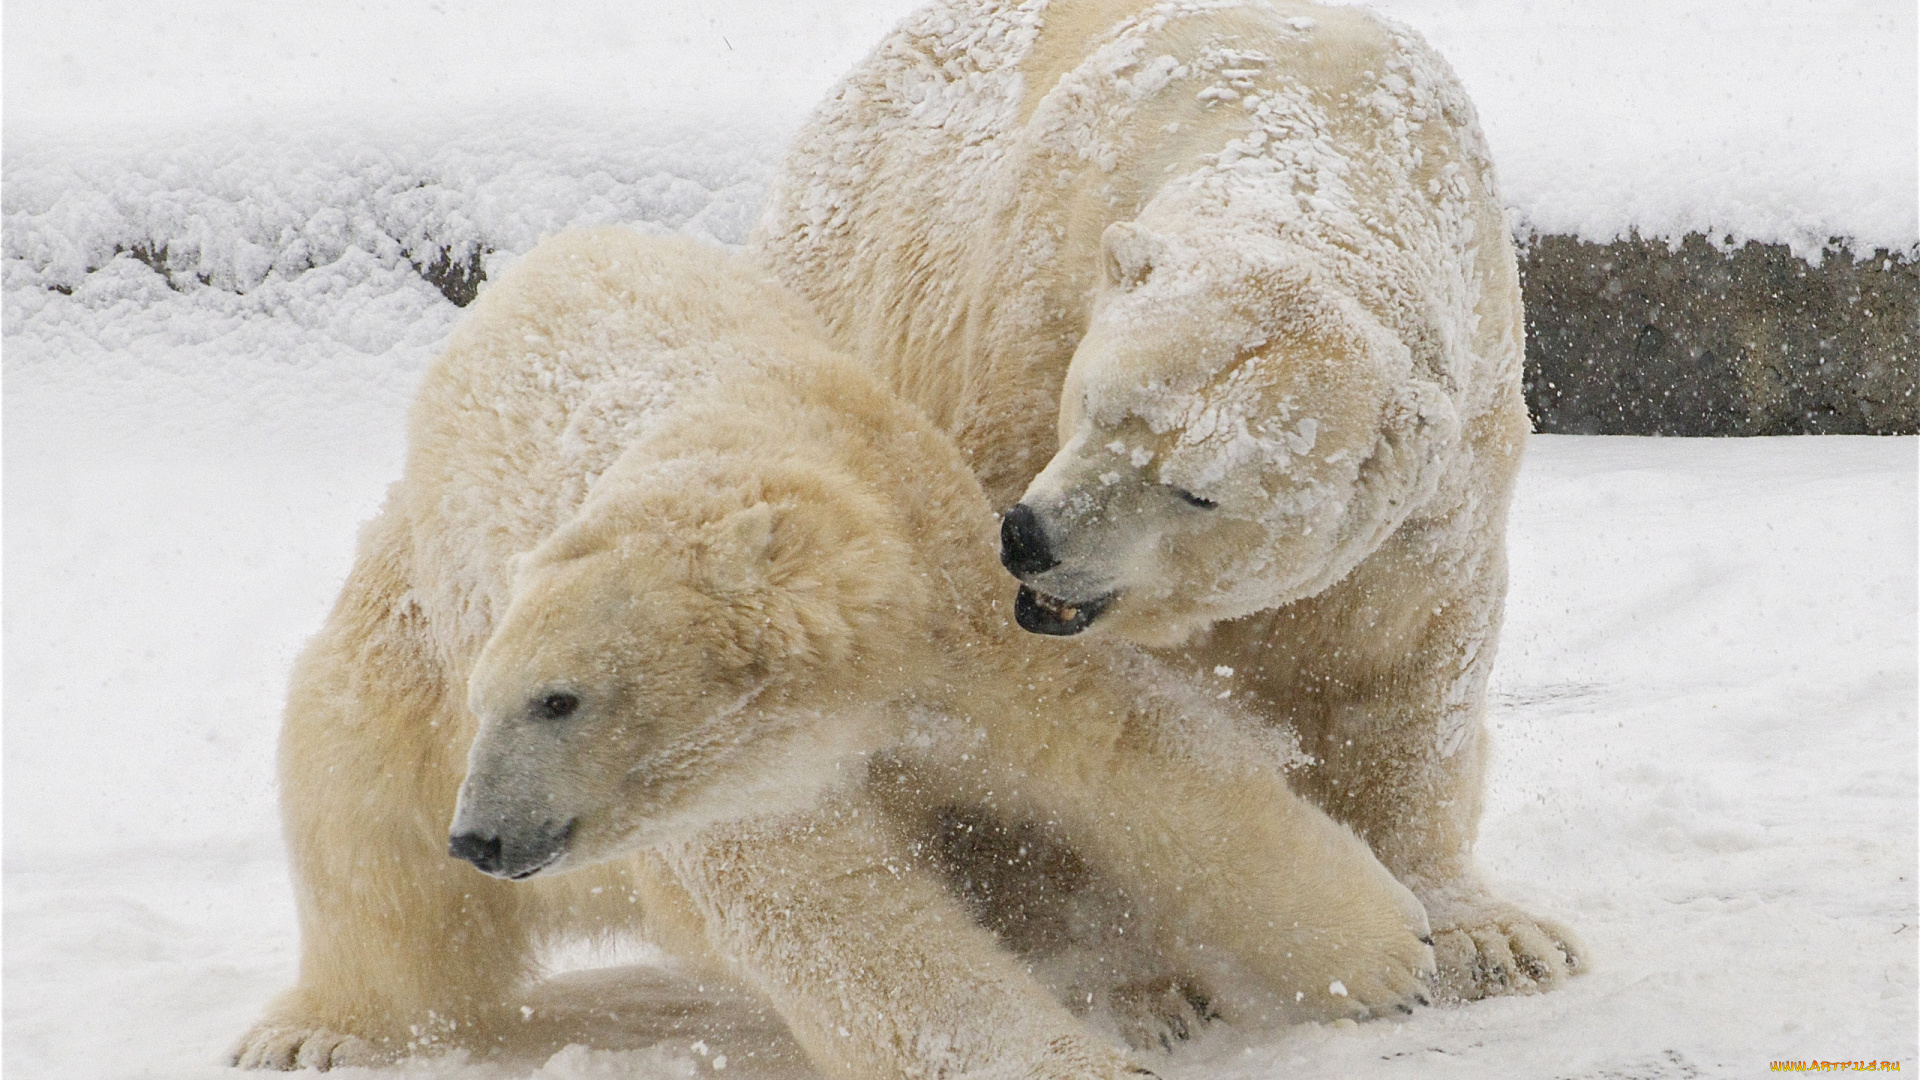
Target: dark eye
555, 706
1191, 499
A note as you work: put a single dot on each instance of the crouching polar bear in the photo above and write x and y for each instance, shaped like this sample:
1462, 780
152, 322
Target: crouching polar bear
1233, 280
703, 616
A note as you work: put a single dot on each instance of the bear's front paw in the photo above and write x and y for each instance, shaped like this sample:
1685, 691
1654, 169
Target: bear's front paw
1490, 949
1158, 1013
287, 1046
1389, 978
1076, 1057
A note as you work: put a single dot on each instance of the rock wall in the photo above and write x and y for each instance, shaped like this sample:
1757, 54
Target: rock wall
1637, 337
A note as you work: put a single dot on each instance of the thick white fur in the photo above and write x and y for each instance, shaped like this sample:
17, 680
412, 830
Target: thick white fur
638, 475
1242, 251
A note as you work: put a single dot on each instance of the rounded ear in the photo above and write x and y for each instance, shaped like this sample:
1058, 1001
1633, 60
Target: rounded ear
750, 530
735, 553
1129, 252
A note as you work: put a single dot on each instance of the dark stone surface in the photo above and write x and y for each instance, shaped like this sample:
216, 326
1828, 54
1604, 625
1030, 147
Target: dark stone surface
1637, 338
458, 279
1633, 337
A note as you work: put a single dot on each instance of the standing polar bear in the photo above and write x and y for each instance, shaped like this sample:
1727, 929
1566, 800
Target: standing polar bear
1232, 279
679, 623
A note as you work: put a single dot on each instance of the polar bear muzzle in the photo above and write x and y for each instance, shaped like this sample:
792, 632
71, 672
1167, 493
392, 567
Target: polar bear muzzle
1025, 553
1024, 550
512, 854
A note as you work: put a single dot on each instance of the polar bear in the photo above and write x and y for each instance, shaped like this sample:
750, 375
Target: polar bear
1233, 280
679, 623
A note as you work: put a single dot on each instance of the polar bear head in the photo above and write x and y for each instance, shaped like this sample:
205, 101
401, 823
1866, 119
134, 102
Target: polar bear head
1234, 435
694, 646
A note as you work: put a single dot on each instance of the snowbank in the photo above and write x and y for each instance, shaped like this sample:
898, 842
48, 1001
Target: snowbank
1775, 120
1782, 121
173, 264
228, 184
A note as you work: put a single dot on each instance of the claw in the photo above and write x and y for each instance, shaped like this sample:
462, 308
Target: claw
1201, 1006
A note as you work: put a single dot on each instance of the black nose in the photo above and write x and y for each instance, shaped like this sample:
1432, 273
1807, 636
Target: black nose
1023, 544
482, 851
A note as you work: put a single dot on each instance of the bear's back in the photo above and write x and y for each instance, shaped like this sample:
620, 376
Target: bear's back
576, 351
943, 209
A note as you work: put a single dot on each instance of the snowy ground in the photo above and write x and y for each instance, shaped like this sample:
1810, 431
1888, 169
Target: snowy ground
1706, 696
1705, 762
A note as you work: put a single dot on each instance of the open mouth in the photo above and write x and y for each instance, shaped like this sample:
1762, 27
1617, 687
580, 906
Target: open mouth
1038, 613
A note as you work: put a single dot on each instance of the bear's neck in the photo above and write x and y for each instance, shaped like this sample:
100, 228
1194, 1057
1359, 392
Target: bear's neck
954, 621
832, 410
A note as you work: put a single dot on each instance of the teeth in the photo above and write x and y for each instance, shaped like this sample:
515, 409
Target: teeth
1040, 613
1057, 607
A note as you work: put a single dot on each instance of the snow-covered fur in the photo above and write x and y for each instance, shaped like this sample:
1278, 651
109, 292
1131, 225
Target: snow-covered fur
691, 624
1232, 279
